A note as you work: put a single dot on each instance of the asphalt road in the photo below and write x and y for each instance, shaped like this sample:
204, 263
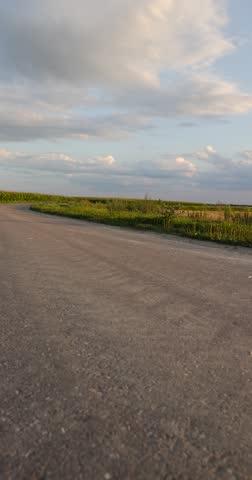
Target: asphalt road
124, 355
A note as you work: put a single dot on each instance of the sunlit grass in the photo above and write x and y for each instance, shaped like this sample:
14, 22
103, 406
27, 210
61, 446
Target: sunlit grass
233, 225
221, 223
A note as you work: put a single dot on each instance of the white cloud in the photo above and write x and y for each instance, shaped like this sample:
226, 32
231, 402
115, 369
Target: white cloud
211, 157
179, 165
210, 149
126, 41
141, 59
26, 118
189, 168
177, 173
54, 162
109, 160
206, 154
4, 154
247, 158
201, 94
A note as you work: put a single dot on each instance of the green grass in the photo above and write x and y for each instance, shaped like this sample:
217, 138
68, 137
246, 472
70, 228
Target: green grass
25, 197
219, 223
235, 226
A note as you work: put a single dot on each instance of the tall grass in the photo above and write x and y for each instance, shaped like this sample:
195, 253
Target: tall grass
234, 228
221, 223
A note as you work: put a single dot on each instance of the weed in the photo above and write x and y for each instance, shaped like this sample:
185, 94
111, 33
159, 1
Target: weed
222, 223
233, 228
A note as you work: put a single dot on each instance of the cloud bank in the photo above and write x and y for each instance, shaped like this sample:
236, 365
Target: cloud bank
87, 70
205, 168
105, 71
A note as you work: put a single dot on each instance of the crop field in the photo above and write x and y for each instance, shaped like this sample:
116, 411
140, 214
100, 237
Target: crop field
26, 197
219, 223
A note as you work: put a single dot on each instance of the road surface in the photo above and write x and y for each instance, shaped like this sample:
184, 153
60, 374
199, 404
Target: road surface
124, 355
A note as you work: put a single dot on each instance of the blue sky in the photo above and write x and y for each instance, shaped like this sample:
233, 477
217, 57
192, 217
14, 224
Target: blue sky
127, 98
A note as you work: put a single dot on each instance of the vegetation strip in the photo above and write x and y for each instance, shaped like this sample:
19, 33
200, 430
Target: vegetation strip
225, 224
220, 223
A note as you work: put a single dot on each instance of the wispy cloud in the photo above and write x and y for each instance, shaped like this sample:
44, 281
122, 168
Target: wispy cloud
54, 162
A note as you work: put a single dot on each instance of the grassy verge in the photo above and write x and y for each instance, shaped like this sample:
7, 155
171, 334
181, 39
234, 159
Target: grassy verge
233, 226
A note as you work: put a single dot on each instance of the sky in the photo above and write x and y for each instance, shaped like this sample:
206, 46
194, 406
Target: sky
127, 98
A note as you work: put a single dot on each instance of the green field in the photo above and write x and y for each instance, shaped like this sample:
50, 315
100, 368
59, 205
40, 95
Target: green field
26, 197
219, 223
226, 224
